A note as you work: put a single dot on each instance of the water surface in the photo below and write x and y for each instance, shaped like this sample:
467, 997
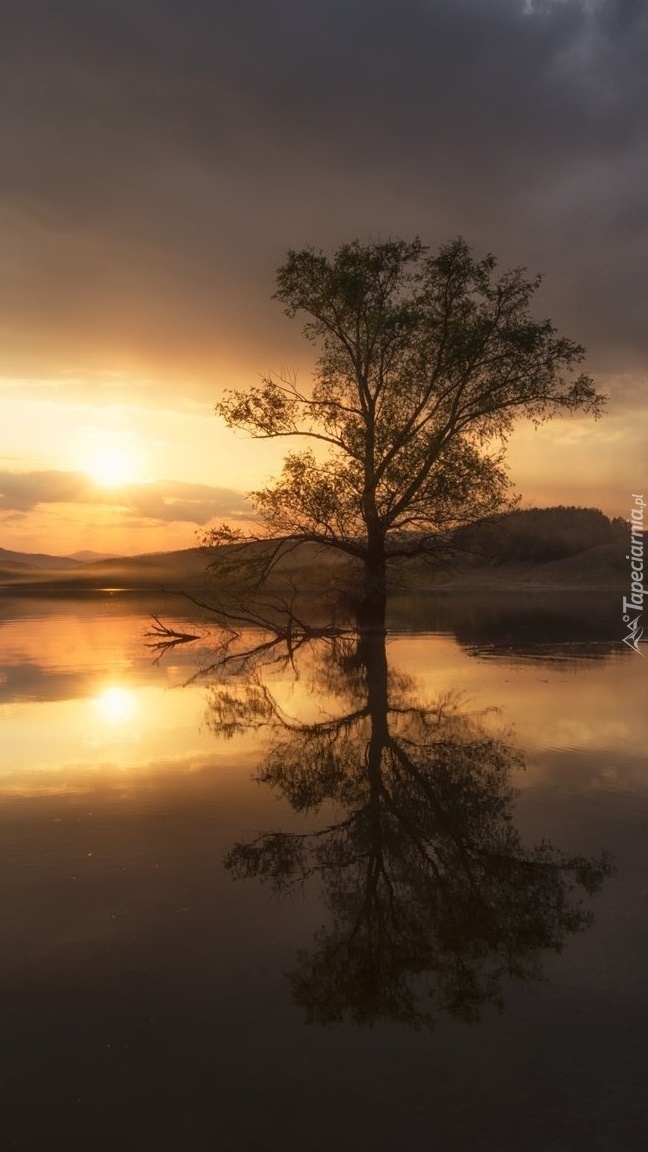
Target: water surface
149, 996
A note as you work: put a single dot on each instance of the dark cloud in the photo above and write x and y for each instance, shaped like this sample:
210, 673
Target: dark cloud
165, 501
161, 155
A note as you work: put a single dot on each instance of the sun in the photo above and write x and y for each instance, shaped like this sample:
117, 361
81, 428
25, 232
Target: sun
111, 467
116, 705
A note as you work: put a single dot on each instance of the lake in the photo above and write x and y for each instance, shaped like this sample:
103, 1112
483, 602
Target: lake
299, 904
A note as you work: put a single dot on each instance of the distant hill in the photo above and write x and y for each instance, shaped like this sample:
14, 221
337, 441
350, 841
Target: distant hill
604, 566
539, 535
549, 547
37, 560
181, 569
560, 547
86, 556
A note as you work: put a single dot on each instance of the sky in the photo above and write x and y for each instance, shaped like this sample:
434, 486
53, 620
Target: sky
158, 159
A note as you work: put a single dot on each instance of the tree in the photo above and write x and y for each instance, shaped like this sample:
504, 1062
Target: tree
425, 363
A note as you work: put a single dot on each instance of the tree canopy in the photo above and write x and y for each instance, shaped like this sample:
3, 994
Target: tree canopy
425, 362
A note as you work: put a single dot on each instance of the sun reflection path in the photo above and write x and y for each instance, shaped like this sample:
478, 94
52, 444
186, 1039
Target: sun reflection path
116, 705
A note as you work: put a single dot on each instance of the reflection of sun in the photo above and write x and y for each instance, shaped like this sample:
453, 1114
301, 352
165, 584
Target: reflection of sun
116, 705
111, 467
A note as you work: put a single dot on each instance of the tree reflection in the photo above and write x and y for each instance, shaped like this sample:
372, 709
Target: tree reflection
434, 901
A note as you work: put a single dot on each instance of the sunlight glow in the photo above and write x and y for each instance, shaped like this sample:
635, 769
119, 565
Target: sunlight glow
116, 705
112, 467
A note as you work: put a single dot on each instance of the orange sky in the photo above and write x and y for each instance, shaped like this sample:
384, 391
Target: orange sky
136, 477
158, 163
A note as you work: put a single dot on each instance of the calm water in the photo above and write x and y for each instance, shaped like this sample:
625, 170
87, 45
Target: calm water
421, 980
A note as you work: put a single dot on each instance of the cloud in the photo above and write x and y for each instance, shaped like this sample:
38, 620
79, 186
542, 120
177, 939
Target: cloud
162, 501
160, 158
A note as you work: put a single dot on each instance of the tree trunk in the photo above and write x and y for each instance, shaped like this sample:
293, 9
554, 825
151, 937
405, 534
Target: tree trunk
371, 612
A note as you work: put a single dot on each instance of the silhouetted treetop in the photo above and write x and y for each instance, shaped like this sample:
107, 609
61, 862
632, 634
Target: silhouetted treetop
425, 362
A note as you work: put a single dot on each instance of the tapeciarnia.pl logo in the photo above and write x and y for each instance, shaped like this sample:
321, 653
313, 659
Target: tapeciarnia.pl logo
637, 593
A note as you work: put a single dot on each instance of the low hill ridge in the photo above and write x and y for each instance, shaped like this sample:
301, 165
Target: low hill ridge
529, 548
